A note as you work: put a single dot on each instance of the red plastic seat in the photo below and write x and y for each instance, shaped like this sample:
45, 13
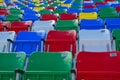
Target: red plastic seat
91, 6
98, 66
4, 11
118, 8
18, 26
50, 8
46, 17
66, 16
4, 26
109, 0
58, 41
97, 3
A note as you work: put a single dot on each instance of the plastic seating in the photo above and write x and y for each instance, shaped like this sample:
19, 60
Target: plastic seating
66, 16
4, 26
16, 63
92, 24
72, 10
90, 10
98, 65
58, 41
38, 8
5, 46
46, 17
4, 11
28, 42
94, 40
112, 23
45, 12
91, 15
66, 5
49, 65
118, 8
50, 8
90, 6
108, 13
43, 25
57, 11
30, 17
13, 17
116, 37
18, 26
67, 25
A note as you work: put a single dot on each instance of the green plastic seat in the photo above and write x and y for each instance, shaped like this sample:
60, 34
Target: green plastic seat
9, 62
116, 36
67, 25
108, 13
45, 12
16, 11
13, 17
49, 66
78, 1
98, 1
59, 11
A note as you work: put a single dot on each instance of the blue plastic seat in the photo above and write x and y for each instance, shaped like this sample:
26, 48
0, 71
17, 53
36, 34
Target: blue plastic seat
92, 24
112, 23
72, 10
62, 8
103, 6
30, 17
29, 42
115, 5
90, 10
88, 4
2, 17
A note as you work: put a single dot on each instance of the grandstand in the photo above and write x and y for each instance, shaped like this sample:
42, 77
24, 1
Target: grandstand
59, 39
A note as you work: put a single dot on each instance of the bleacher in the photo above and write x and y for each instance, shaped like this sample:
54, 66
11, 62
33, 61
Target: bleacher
59, 39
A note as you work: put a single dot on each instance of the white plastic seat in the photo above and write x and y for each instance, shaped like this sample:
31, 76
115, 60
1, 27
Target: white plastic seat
94, 40
5, 46
43, 25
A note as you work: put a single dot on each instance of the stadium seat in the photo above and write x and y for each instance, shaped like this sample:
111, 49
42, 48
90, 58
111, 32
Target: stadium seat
28, 42
11, 64
58, 41
72, 10
18, 26
45, 12
65, 5
30, 17
38, 8
50, 8
4, 26
67, 25
57, 11
112, 23
90, 10
4, 11
98, 66
108, 13
13, 17
118, 8
49, 65
91, 15
67, 16
116, 37
43, 25
46, 17
5, 46
92, 24
94, 40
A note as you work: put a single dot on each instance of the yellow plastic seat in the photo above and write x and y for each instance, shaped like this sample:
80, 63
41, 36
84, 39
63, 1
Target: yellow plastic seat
38, 8
91, 15
66, 5
37, 1
1, 1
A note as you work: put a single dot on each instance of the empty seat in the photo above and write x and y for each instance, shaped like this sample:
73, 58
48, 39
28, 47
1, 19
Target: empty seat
98, 65
90, 10
4, 26
58, 41
50, 8
18, 26
43, 25
92, 24
46, 17
30, 17
108, 13
94, 40
10, 65
112, 23
66, 16
28, 42
59, 11
45, 12
91, 15
67, 25
51, 65
72, 10
5, 46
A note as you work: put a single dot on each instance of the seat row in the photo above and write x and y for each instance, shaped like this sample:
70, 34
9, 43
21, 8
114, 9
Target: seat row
58, 66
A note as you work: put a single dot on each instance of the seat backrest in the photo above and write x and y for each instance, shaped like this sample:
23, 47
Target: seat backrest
51, 61
98, 61
12, 61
